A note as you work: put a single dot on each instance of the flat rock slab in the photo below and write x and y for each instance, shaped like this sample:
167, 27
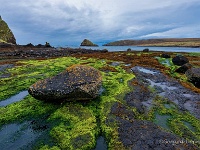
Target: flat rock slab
78, 82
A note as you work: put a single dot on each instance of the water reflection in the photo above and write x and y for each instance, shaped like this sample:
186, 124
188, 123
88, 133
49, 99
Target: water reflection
14, 98
101, 144
17, 136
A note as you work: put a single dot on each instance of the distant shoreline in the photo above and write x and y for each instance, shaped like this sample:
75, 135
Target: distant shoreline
168, 42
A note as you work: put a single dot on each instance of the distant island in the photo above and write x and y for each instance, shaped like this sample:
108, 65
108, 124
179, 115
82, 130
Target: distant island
87, 42
162, 42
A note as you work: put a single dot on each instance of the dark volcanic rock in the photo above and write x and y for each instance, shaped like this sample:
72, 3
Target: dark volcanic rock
142, 134
77, 82
145, 135
180, 60
120, 110
87, 42
165, 55
146, 50
183, 68
129, 50
136, 97
193, 76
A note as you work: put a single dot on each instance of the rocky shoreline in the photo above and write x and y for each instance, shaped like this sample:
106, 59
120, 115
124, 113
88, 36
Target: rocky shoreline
137, 90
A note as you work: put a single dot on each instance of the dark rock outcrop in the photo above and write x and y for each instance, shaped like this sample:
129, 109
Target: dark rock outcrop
145, 135
180, 60
6, 35
77, 82
165, 55
193, 75
184, 68
104, 50
129, 49
146, 50
87, 42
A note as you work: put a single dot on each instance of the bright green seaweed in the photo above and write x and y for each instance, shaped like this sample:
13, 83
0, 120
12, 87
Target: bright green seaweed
77, 125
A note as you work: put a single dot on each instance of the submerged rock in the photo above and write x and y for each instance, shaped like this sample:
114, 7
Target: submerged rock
193, 75
184, 68
180, 60
77, 82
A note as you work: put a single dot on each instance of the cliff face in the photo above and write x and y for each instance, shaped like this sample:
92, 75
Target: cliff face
87, 42
6, 34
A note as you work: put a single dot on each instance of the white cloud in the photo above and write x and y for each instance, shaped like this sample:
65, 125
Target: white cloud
73, 20
186, 31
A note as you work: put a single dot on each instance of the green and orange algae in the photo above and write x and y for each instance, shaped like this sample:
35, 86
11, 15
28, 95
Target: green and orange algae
113, 88
79, 124
177, 119
31, 71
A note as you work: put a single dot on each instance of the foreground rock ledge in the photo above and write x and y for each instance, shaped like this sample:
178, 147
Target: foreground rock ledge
77, 82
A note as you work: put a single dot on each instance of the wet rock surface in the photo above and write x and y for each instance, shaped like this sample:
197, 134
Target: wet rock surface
193, 76
78, 82
5, 66
142, 134
3, 69
20, 51
146, 135
169, 89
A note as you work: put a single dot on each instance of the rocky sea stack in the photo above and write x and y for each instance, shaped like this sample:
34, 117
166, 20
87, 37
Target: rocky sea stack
78, 82
6, 35
87, 42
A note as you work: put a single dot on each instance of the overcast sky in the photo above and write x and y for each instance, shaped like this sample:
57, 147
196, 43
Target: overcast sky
68, 22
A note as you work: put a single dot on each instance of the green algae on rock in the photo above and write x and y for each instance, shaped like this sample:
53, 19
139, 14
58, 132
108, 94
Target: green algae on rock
6, 35
78, 82
77, 125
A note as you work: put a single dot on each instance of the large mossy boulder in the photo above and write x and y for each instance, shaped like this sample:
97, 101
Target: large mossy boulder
180, 60
193, 75
6, 35
87, 42
78, 82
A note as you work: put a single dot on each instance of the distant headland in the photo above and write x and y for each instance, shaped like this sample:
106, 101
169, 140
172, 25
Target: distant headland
161, 42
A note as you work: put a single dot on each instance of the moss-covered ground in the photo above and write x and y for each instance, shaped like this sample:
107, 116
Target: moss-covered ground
77, 125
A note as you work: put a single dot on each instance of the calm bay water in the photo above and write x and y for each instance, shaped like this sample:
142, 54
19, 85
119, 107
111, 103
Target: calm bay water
140, 48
